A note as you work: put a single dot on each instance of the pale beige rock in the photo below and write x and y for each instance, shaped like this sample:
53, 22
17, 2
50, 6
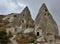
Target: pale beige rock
20, 21
45, 21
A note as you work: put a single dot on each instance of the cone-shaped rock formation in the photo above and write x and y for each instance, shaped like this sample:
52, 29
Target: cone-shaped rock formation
44, 20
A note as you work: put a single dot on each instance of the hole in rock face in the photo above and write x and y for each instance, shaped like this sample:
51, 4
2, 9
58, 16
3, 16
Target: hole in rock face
45, 9
22, 21
45, 14
37, 33
15, 15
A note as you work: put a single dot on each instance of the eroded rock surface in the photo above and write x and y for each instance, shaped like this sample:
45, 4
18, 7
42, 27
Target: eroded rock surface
45, 21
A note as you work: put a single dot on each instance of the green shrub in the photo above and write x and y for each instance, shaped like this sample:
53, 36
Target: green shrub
32, 40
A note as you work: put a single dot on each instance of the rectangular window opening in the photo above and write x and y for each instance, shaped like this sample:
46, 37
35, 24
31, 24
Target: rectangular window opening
37, 33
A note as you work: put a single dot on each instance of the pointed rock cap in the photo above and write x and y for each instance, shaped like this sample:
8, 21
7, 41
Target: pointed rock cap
41, 9
44, 5
26, 11
26, 8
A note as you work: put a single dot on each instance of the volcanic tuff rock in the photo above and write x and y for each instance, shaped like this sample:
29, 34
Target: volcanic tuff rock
23, 20
22, 26
44, 20
20, 21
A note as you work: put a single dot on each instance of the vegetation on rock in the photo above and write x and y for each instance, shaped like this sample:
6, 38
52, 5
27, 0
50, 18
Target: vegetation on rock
4, 39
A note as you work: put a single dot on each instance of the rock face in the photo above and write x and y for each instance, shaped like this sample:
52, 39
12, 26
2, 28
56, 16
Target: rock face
23, 20
20, 21
44, 20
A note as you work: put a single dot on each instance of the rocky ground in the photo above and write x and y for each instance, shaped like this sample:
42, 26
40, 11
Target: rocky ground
25, 39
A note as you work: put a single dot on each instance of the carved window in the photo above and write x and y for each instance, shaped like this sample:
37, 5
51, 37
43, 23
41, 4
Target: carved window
45, 14
45, 9
37, 33
15, 15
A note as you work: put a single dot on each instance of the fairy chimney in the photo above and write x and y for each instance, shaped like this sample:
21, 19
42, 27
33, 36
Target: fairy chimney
45, 21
